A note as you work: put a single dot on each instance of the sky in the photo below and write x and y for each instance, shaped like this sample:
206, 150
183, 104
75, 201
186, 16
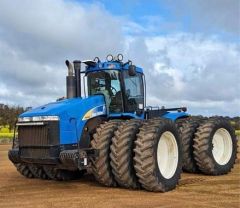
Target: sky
189, 50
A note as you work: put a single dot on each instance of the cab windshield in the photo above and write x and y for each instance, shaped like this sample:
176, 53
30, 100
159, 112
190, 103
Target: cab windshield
107, 82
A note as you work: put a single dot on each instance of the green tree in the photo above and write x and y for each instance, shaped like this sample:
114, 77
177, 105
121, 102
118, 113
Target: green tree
9, 114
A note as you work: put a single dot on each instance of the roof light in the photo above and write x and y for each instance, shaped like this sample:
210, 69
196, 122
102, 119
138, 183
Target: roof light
109, 57
96, 59
120, 57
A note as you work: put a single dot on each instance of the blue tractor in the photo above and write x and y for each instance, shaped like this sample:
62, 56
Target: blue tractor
104, 127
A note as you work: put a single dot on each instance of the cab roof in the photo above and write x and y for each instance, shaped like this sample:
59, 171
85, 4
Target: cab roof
92, 66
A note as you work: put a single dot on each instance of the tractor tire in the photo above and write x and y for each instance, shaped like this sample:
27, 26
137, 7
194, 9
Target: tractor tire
215, 146
24, 170
182, 121
158, 155
187, 135
101, 141
62, 175
38, 172
122, 154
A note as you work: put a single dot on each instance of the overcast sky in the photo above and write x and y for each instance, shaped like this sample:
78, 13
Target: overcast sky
190, 50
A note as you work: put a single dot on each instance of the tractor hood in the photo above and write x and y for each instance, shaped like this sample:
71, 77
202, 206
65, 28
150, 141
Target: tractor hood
72, 113
68, 108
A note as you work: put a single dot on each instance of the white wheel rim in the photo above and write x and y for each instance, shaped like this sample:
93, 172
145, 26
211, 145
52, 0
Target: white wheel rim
167, 154
222, 146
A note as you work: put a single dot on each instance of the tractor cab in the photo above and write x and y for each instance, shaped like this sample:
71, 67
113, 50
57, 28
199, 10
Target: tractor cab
121, 83
123, 89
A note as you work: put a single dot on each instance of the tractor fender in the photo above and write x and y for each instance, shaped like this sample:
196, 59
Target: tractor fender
175, 116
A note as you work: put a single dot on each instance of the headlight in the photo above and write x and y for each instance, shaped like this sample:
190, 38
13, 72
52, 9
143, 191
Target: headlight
38, 118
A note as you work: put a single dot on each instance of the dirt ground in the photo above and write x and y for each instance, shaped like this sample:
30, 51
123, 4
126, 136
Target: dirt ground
195, 190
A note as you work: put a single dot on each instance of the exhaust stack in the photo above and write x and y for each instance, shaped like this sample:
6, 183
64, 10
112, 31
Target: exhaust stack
70, 81
77, 69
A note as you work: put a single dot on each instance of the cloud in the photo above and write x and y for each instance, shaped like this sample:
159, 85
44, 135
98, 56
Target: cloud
36, 38
47, 31
182, 69
194, 69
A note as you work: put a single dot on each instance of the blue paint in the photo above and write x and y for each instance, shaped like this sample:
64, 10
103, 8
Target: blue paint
126, 115
70, 112
111, 65
175, 116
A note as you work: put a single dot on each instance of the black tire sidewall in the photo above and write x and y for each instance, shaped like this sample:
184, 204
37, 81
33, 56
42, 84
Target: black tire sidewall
189, 163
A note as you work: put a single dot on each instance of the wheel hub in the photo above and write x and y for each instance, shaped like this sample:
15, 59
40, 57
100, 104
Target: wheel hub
167, 154
222, 146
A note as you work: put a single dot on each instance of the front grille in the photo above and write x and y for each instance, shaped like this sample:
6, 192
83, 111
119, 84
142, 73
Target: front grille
37, 153
44, 135
39, 141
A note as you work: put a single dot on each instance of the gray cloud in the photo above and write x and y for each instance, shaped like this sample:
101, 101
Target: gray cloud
193, 70
190, 70
202, 72
47, 31
36, 38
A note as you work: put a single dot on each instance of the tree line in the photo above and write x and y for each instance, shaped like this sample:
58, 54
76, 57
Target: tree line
9, 114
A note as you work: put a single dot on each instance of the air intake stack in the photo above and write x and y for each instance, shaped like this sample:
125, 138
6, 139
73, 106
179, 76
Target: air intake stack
70, 81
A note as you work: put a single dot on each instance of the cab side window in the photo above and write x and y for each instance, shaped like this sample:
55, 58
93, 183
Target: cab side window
134, 94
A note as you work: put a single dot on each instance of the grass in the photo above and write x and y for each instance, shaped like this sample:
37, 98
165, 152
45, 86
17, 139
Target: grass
6, 138
237, 132
6, 135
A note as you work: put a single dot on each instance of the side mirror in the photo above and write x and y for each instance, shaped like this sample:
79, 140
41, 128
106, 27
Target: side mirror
132, 70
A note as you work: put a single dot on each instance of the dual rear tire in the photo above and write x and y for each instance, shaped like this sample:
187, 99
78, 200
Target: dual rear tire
209, 146
215, 147
187, 133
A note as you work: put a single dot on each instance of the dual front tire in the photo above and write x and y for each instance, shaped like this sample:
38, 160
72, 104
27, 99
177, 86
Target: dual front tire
137, 154
158, 156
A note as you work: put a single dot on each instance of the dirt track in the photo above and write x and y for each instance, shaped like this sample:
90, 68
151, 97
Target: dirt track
193, 191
